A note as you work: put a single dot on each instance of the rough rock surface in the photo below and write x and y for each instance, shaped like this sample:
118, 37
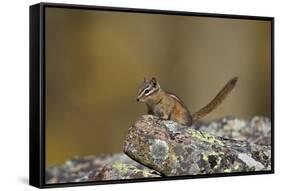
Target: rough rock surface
121, 170
172, 149
165, 148
255, 130
102, 167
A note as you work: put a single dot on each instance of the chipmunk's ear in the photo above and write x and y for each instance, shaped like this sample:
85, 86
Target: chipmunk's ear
154, 81
144, 79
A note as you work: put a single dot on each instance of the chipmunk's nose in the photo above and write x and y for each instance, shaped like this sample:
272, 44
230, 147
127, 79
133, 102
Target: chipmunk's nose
138, 99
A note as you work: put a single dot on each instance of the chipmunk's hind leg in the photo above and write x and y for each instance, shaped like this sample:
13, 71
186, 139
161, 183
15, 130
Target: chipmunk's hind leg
185, 120
181, 116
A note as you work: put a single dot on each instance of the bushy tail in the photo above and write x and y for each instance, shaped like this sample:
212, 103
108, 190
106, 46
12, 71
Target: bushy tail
216, 101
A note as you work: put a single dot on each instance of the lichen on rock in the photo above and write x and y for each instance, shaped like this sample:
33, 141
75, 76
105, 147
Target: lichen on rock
97, 168
256, 130
155, 148
119, 171
158, 149
173, 149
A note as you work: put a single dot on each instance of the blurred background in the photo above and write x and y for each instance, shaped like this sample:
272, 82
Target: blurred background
95, 60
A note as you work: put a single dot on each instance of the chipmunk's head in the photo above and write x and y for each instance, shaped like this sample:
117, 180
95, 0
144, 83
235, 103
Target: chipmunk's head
147, 89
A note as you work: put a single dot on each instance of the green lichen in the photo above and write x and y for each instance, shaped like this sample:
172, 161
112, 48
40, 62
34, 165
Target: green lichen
202, 136
144, 172
120, 167
227, 170
216, 155
237, 166
205, 158
126, 169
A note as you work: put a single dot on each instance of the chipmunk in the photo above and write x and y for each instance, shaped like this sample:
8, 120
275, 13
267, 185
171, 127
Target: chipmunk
168, 106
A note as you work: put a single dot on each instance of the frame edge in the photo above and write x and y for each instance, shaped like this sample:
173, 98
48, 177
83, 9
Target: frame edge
37, 133
35, 138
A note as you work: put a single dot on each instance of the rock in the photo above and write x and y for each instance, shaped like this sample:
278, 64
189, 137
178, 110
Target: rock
119, 170
101, 167
173, 149
255, 130
77, 169
165, 148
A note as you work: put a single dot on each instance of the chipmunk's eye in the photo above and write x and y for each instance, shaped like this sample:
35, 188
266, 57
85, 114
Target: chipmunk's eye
146, 91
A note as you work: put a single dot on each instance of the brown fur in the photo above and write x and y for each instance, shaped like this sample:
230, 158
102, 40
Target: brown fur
168, 106
216, 101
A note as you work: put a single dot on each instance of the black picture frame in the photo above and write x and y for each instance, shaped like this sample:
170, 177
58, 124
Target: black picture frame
37, 92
